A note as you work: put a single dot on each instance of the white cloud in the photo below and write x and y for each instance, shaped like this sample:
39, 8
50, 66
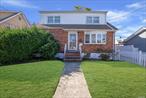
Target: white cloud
19, 3
137, 5
144, 21
124, 32
118, 16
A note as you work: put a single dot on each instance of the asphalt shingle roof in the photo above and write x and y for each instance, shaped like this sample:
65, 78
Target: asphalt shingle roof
82, 26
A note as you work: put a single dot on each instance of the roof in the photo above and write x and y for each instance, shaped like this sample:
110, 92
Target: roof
139, 31
82, 26
43, 12
6, 15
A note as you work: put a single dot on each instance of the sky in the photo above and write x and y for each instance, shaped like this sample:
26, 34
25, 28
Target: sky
127, 15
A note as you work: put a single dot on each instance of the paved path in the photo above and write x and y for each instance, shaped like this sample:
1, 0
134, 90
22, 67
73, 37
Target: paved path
72, 83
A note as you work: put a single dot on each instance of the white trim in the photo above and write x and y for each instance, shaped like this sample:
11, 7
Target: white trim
87, 29
72, 32
139, 31
111, 28
96, 38
9, 18
20, 13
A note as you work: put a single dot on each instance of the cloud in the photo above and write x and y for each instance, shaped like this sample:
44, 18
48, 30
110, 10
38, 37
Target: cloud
144, 21
126, 31
118, 16
19, 3
135, 5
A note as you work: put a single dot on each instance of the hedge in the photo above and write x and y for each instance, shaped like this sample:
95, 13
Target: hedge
17, 45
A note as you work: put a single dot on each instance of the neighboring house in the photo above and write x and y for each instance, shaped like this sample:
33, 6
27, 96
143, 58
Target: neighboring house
88, 31
137, 39
12, 19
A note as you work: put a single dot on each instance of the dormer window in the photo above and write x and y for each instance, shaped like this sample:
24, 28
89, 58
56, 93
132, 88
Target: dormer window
92, 20
53, 19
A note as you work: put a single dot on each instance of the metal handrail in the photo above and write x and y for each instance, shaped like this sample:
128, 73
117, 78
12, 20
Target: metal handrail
65, 48
80, 49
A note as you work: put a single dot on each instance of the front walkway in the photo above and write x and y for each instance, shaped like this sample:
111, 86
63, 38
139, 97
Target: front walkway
72, 83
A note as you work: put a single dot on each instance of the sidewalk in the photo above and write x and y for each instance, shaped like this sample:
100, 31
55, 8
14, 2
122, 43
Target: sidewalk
72, 83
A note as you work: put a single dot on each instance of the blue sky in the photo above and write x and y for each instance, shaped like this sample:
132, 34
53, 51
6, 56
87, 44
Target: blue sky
127, 15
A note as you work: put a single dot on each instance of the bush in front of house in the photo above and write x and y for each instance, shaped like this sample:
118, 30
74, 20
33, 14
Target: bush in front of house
104, 56
17, 45
48, 50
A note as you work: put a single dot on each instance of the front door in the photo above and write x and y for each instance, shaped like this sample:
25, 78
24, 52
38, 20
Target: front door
72, 40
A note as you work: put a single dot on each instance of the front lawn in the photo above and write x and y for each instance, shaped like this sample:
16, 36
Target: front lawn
115, 79
30, 80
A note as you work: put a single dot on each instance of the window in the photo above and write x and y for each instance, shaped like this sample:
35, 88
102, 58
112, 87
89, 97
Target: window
103, 38
53, 19
99, 38
95, 19
92, 20
95, 38
89, 19
50, 19
87, 38
57, 19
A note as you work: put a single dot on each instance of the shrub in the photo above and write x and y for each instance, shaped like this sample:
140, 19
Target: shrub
19, 44
49, 49
105, 56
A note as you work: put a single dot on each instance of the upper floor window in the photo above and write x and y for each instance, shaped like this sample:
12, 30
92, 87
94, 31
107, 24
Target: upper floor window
92, 20
53, 19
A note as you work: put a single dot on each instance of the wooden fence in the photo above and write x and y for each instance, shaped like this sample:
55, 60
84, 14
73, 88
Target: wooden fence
130, 54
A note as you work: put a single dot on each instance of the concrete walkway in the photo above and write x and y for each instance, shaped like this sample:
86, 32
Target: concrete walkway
72, 83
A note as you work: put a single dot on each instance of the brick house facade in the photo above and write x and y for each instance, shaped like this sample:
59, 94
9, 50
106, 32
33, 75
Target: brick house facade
62, 37
79, 29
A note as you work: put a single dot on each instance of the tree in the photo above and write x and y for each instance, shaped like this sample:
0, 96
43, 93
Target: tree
81, 8
87, 9
78, 8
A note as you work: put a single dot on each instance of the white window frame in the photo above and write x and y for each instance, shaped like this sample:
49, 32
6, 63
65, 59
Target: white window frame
72, 32
53, 20
90, 40
92, 19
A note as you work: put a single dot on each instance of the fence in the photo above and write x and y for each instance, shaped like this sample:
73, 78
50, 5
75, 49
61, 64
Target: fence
130, 54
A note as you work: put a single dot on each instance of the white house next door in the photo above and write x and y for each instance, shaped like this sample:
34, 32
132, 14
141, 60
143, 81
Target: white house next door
72, 40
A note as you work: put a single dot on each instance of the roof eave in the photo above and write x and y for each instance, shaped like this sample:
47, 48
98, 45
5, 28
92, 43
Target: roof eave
44, 12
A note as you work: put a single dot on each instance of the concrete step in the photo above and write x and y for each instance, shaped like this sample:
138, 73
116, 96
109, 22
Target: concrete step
72, 60
72, 57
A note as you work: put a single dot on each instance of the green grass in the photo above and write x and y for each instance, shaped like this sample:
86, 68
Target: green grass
30, 80
115, 79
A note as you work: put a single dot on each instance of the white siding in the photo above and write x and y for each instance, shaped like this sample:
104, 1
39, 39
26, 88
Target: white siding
73, 18
143, 35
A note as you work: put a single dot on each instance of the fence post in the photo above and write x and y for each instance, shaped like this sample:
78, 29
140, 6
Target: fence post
140, 54
119, 55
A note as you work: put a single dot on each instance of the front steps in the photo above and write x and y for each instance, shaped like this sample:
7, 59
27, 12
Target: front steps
72, 56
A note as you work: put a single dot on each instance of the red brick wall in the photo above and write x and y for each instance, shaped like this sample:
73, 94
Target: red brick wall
62, 37
93, 47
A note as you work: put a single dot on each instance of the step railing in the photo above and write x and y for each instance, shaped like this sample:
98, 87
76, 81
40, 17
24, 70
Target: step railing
65, 49
80, 49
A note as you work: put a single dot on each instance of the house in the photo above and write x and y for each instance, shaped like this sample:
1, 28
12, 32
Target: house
83, 31
137, 39
12, 19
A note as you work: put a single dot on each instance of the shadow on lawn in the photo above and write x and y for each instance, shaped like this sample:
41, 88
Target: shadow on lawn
120, 64
71, 67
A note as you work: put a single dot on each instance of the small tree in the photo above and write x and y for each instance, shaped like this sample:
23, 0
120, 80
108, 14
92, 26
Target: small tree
81, 8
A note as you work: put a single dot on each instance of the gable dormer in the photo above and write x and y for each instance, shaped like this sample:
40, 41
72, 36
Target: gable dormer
73, 17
